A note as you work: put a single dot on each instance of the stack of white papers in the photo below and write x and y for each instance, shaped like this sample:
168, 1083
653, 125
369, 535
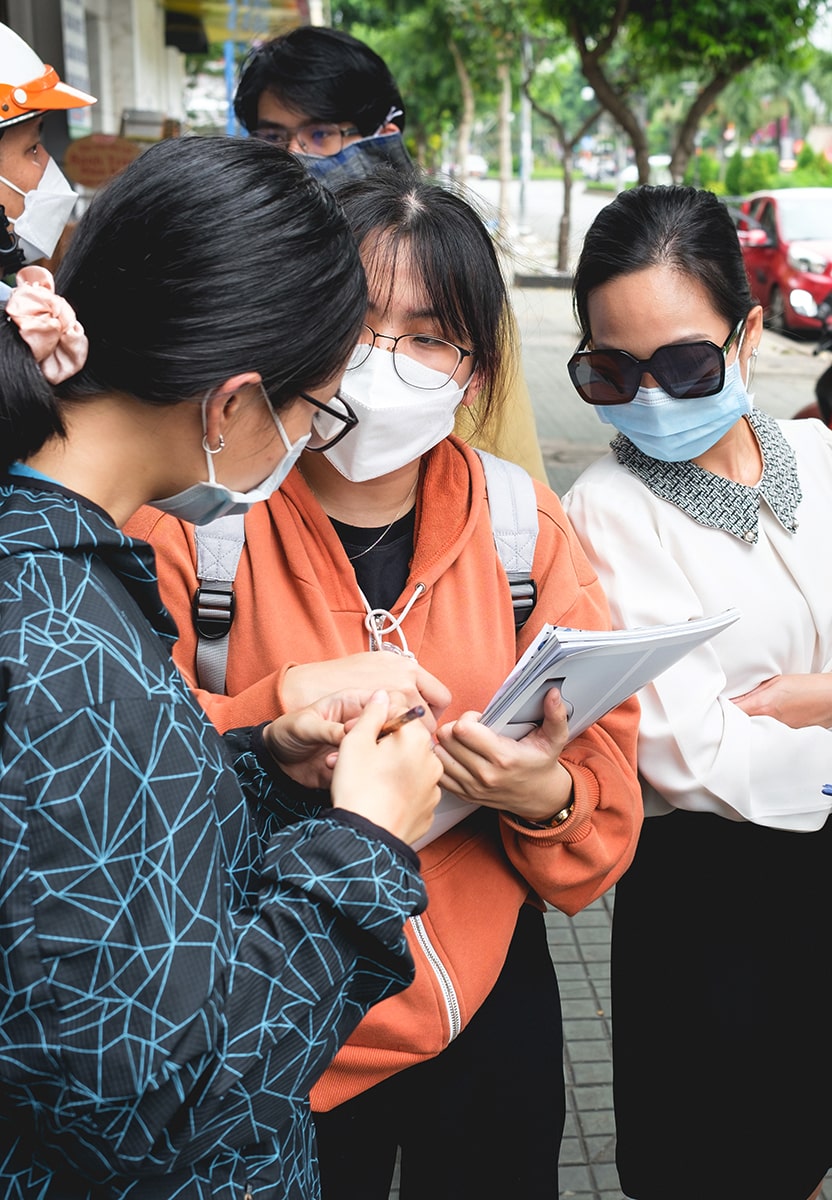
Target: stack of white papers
595, 670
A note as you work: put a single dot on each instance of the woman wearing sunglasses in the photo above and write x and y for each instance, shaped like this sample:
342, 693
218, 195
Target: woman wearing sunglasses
722, 934
380, 552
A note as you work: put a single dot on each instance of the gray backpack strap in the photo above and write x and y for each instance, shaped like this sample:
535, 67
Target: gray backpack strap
218, 549
513, 507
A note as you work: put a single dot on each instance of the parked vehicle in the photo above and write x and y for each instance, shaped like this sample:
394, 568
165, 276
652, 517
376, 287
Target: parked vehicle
786, 240
476, 167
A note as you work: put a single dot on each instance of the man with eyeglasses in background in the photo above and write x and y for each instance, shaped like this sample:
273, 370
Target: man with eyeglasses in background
326, 97
329, 99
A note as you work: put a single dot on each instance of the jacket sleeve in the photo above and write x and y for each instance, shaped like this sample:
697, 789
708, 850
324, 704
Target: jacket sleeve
571, 865
174, 989
173, 543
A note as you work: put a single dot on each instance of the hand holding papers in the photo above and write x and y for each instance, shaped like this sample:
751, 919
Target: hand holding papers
594, 670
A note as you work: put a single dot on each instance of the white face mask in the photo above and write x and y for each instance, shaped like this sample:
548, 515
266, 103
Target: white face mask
46, 211
205, 502
397, 423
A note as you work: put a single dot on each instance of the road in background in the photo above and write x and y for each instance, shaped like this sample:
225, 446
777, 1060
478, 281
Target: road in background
534, 235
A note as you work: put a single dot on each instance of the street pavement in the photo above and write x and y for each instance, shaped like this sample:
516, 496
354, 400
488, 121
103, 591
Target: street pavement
571, 436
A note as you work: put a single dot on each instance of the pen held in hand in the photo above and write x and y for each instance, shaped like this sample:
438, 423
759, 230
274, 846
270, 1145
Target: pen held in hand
412, 714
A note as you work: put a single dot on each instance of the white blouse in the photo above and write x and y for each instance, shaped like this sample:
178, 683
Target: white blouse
670, 541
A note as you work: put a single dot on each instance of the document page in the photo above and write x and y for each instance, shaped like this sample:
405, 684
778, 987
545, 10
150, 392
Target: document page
595, 670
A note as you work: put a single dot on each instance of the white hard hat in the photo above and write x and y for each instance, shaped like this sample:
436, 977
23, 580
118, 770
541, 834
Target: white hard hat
28, 87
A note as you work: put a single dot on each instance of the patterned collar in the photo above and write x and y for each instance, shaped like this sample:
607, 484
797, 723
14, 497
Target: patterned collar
718, 502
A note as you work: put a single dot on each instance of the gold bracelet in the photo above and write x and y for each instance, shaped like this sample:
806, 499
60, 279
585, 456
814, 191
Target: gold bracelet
551, 822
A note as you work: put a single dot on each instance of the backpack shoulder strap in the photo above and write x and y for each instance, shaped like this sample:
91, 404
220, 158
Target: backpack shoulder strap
513, 507
218, 549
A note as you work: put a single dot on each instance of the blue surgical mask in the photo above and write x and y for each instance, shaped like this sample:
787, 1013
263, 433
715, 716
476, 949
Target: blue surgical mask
358, 160
678, 430
205, 502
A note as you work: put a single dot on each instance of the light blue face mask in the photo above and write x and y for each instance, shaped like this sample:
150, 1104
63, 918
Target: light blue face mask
359, 159
209, 500
678, 430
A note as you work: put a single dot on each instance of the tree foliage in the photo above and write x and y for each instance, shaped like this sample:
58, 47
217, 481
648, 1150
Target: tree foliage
625, 44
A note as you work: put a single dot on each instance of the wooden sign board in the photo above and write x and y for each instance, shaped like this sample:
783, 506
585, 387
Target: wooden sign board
91, 161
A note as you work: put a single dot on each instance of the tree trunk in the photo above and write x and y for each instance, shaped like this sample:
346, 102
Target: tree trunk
466, 124
686, 137
504, 130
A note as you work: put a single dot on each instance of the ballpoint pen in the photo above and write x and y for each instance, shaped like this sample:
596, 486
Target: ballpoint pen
412, 714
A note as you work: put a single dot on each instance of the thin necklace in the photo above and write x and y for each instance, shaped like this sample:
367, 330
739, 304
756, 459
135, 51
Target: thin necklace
384, 532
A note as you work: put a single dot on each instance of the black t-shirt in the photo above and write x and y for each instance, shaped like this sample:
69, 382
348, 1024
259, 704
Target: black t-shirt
381, 570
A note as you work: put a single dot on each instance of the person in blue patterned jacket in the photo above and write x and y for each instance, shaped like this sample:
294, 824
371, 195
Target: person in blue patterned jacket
187, 934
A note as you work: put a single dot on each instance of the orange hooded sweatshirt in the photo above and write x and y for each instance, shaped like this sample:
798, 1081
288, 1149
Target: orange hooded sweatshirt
297, 600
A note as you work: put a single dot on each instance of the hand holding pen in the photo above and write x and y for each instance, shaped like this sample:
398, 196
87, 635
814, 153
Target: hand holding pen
396, 786
412, 714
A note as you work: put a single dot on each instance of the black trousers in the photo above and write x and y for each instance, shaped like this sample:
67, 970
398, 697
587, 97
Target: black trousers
481, 1121
721, 1035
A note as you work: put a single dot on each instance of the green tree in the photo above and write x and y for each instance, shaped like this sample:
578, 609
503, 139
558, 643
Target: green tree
548, 84
624, 44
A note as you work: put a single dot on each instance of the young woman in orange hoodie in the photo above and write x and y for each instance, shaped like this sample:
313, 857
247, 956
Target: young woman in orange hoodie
384, 542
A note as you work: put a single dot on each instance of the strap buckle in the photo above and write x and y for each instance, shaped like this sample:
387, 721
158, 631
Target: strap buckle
523, 599
214, 606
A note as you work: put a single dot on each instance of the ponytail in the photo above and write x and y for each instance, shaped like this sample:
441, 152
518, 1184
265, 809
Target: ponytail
29, 412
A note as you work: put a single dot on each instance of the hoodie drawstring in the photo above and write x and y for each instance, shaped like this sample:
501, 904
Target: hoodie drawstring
379, 622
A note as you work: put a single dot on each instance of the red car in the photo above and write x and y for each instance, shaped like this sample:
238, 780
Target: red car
786, 240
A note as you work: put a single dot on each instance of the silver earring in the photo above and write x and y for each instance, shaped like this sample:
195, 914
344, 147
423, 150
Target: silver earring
213, 449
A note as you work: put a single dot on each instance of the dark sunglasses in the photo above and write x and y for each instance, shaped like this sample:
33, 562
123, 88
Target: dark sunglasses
686, 370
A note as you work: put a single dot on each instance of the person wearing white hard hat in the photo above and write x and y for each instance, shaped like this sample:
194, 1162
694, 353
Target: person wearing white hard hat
36, 197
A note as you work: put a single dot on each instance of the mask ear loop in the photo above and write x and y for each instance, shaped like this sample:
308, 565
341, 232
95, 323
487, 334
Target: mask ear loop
284, 437
394, 112
752, 360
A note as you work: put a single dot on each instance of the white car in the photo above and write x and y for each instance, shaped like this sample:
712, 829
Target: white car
477, 167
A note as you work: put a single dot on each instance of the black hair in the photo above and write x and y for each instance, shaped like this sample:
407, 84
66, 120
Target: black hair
686, 228
205, 258
453, 253
823, 394
323, 73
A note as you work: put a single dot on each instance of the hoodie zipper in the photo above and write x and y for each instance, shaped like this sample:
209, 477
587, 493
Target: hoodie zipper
442, 976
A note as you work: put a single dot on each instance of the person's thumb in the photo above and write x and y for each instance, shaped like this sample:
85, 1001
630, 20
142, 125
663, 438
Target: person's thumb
374, 713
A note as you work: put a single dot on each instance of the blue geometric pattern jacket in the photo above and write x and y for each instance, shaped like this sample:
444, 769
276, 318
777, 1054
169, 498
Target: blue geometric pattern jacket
182, 948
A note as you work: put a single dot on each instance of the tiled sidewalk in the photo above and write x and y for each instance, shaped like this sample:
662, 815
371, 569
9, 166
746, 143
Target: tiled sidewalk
580, 951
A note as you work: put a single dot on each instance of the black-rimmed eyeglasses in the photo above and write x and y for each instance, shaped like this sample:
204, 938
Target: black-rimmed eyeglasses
412, 353
315, 137
686, 370
331, 422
